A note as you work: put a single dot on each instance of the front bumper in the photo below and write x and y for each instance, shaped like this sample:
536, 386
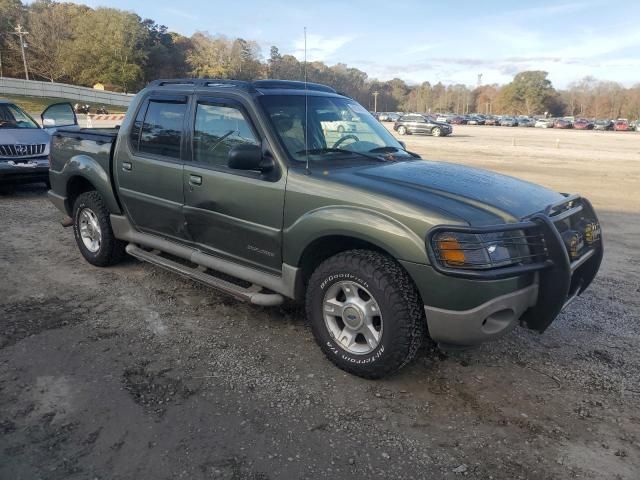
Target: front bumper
485, 322
558, 281
24, 170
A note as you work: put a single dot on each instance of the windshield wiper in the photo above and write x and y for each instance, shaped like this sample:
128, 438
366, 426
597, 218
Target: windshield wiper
390, 149
385, 149
319, 151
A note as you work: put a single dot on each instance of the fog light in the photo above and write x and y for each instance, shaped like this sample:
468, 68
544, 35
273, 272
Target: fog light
591, 230
574, 242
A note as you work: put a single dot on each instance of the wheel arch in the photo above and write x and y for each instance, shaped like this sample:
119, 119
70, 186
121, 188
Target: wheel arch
83, 173
328, 231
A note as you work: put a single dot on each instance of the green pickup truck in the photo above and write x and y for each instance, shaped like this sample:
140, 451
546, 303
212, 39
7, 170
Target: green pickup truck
244, 187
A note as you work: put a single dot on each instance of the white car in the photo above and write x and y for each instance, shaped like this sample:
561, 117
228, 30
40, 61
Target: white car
24, 145
544, 123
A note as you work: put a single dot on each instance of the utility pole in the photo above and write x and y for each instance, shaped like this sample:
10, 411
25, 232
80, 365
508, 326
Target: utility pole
375, 101
20, 33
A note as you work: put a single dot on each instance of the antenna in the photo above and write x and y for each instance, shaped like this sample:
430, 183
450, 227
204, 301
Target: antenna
306, 103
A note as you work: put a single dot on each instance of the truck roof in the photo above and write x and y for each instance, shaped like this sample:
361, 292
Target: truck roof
264, 87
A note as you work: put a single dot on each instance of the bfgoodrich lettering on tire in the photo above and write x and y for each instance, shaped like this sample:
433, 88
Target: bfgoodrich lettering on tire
365, 313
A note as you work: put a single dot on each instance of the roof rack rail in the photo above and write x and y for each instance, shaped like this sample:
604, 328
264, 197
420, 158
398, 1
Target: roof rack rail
263, 84
292, 84
200, 82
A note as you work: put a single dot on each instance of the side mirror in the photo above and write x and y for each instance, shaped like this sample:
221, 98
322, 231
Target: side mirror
248, 157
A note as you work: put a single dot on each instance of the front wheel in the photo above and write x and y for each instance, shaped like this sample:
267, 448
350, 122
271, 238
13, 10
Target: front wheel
436, 132
365, 313
93, 233
402, 130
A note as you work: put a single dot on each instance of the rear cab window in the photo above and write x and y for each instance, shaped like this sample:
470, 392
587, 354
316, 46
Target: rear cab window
158, 127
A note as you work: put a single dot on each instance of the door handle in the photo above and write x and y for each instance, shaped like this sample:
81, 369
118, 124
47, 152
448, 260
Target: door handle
195, 180
127, 166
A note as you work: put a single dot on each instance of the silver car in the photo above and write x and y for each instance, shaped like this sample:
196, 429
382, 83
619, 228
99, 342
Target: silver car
24, 145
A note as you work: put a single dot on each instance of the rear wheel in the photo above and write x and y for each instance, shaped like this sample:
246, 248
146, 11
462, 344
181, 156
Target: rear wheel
93, 232
365, 313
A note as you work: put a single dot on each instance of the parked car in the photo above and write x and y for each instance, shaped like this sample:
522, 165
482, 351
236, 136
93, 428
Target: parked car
603, 125
525, 122
475, 120
417, 123
383, 117
508, 122
341, 123
393, 117
493, 121
583, 124
544, 123
458, 120
562, 123
24, 145
621, 125
381, 246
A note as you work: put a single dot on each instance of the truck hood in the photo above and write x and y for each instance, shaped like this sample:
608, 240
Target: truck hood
478, 197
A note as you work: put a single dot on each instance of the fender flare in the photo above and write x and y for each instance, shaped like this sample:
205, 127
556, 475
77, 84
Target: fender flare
359, 223
85, 167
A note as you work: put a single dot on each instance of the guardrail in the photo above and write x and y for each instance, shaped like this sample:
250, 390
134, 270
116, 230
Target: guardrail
35, 88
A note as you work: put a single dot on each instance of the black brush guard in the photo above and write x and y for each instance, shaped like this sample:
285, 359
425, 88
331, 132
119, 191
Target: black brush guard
561, 279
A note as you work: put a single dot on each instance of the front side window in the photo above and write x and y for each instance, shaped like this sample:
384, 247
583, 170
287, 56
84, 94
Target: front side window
162, 128
12, 117
218, 128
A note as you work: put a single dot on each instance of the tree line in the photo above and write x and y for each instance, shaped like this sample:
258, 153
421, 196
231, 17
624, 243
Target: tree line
80, 45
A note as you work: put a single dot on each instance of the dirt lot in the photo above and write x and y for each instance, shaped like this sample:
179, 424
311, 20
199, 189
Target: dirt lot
132, 372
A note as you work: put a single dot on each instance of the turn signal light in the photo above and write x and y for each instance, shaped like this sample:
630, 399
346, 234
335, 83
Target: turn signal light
451, 251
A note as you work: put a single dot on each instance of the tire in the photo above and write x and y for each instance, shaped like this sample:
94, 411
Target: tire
436, 132
102, 249
340, 129
400, 327
402, 130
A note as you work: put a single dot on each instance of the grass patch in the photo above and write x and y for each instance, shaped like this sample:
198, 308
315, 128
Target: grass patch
35, 105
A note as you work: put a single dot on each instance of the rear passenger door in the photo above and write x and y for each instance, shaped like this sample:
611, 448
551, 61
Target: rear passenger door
148, 168
234, 214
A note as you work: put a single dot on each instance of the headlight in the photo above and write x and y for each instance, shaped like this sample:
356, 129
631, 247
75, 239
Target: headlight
486, 250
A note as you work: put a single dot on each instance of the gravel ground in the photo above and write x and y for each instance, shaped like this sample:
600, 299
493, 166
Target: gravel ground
133, 372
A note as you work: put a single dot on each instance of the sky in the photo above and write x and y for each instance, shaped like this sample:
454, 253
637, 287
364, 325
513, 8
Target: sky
417, 41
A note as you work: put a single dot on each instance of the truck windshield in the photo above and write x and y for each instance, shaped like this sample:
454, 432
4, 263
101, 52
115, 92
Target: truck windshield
338, 128
13, 117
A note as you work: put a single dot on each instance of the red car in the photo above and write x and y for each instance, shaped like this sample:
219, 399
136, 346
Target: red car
583, 124
562, 123
622, 126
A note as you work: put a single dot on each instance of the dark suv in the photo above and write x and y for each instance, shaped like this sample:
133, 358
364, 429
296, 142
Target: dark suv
416, 123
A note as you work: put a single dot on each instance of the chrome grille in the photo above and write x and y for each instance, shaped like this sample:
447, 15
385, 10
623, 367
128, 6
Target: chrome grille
22, 150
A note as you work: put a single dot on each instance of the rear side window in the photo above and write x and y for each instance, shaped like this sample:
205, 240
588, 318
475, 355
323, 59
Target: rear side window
161, 131
218, 128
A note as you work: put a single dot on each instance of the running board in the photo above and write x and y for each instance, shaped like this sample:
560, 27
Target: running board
252, 294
